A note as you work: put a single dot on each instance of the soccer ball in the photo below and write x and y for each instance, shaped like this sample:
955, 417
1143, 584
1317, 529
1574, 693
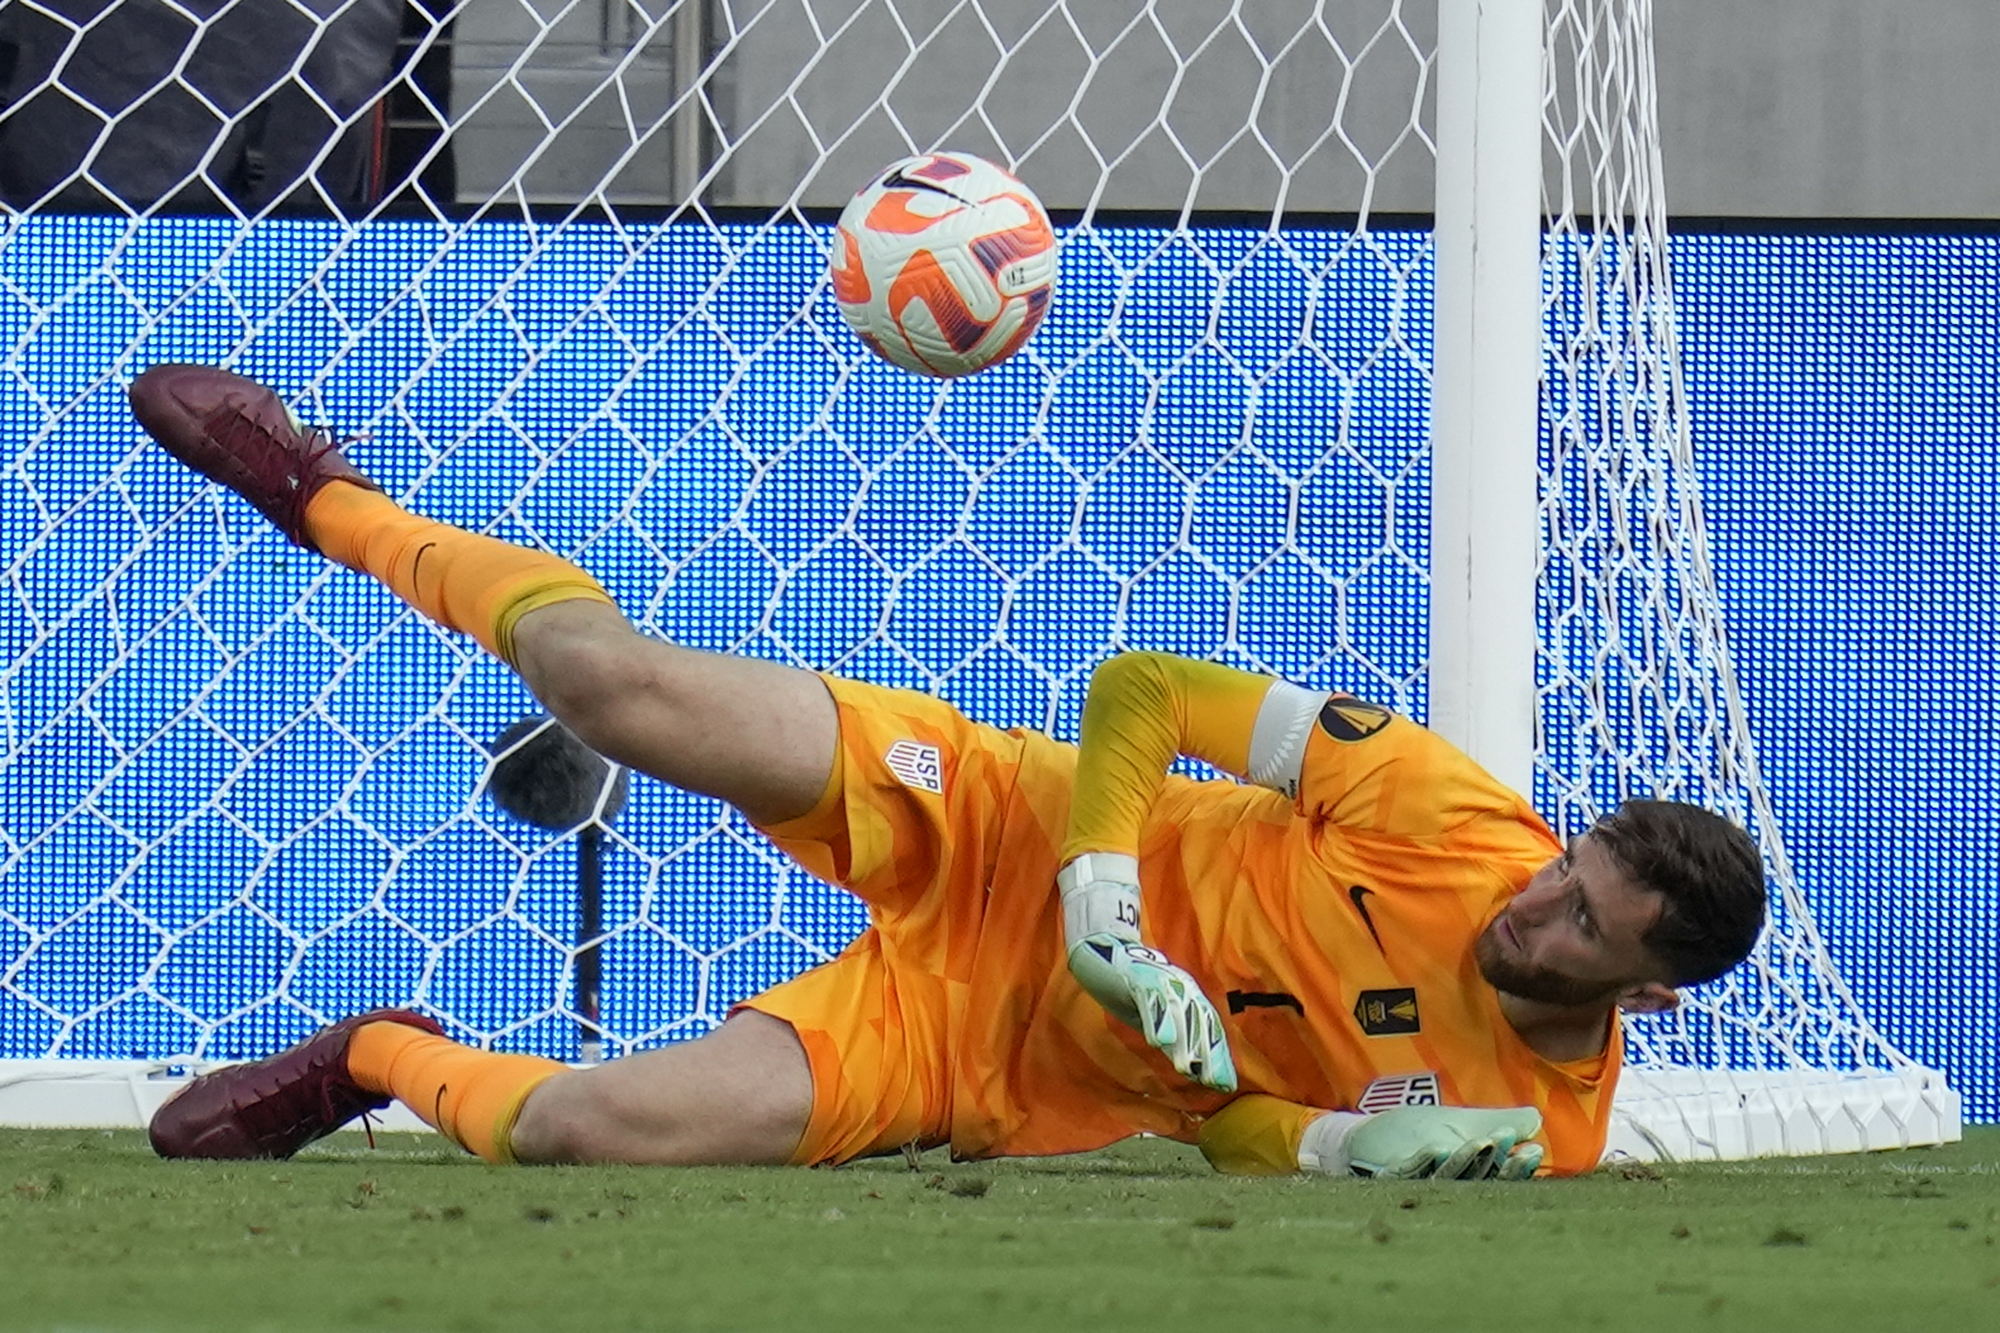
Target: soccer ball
944, 264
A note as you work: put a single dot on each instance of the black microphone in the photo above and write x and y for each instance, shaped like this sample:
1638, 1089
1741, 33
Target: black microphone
543, 775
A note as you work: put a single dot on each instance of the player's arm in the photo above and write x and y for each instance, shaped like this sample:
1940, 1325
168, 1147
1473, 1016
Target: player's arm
1258, 1135
1142, 711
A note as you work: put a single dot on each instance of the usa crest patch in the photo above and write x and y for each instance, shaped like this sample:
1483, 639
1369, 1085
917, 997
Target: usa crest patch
1393, 1090
919, 766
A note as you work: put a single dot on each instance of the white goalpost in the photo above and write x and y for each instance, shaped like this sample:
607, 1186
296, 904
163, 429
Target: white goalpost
1362, 369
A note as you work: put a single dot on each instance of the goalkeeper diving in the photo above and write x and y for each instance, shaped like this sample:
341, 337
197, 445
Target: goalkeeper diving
1365, 957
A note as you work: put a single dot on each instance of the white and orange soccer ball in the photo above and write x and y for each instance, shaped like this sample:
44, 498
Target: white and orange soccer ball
944, 264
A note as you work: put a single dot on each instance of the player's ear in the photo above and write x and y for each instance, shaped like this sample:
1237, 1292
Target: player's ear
1650, 997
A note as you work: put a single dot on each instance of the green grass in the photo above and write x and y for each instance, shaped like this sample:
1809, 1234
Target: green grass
95, 1234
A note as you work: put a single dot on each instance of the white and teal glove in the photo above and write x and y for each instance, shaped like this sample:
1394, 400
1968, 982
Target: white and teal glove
1141, 986
1425, 1142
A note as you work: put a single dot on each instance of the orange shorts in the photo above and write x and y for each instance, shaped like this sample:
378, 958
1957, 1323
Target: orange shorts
912, 823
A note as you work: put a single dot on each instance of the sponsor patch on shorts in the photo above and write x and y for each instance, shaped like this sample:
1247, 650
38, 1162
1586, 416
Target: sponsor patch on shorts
919, 766
1394, 1090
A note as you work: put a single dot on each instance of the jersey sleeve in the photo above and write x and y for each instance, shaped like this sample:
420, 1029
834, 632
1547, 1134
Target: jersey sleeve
1144, 709
1256, 1135
1259, 1135
1341, 759
1372, 770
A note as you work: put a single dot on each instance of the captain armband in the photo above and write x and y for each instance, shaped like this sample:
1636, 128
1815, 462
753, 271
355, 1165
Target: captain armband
1278, 740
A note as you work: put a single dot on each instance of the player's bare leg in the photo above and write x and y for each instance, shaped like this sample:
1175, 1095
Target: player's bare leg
759, 736
756, 734
741, 1095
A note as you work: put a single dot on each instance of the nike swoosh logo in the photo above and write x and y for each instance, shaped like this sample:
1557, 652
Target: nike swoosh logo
1359, 893
892, 212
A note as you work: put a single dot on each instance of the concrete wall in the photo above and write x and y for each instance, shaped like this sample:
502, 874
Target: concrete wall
1831, 108
1162, 106
1782, 108
543, 96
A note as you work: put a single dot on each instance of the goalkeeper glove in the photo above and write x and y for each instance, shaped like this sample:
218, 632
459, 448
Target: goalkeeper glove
1141, 986
1419, 1142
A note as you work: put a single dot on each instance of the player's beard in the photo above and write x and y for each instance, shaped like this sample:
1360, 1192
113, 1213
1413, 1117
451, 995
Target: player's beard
1540, 984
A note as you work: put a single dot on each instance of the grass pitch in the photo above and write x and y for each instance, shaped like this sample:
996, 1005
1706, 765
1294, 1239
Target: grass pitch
95, 1234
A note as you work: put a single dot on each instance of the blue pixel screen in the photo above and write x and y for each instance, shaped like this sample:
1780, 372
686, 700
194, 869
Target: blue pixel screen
243, 793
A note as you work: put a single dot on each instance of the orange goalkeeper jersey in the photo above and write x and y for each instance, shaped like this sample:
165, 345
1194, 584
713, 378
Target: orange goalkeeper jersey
1333, 931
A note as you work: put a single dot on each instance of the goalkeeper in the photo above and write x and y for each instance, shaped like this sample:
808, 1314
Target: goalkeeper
1366, 958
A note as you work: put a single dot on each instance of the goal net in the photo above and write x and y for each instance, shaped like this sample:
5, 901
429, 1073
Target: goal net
1637, 694
560, 268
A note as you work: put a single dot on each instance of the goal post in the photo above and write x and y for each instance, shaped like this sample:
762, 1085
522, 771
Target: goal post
1486, 366
560, 265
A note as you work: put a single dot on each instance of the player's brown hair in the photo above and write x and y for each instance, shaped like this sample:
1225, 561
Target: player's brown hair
1708, 870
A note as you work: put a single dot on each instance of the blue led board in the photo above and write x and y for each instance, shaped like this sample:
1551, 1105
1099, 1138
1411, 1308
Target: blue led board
240, 794
1846, 408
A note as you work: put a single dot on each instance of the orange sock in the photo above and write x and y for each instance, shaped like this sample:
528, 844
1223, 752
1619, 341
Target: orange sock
476, 585
471, 1097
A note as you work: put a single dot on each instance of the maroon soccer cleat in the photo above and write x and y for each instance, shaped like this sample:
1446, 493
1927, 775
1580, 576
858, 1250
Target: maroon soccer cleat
272, 1108
236, 432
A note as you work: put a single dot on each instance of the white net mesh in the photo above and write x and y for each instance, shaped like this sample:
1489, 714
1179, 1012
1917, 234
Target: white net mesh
561, 266
1638, 698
